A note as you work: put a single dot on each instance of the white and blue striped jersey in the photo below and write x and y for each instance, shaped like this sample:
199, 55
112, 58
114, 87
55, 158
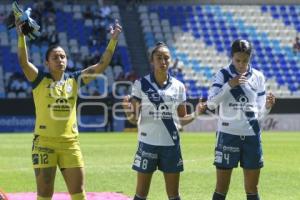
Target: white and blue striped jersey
158, 120
242, 107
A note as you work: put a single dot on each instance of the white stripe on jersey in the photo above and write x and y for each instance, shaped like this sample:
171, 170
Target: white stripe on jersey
151, 129
232, 118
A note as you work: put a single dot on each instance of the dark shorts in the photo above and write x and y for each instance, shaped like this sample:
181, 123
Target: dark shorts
167, 159
232, 149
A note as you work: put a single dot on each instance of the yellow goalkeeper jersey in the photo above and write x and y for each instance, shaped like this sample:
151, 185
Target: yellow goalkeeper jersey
55, 105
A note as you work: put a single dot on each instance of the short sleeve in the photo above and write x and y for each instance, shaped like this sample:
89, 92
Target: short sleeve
182, 94
262, 88
76, 75
136, 90
38, 79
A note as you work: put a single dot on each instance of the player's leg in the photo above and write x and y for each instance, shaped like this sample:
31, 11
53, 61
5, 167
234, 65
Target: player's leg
172, 185
251, 162
70, 161
251, 179
74, 178
227, 156
171, 164
223, 177
44, 160
142, 185
145, 163
45, 182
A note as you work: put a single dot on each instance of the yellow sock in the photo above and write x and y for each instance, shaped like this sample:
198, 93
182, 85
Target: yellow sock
79, 196
43, 198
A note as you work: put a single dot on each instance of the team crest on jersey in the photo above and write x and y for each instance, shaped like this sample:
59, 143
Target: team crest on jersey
243, 99
69, 88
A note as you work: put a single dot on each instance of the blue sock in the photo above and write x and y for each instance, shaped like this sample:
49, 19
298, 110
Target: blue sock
136, 197
218, 196
252, 197
175, 198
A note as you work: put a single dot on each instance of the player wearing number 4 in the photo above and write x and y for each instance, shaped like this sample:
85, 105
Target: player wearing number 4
56, 135
239, 91
158, 107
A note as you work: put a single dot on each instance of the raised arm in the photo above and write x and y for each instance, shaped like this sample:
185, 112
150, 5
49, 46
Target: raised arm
90, 72
28, 68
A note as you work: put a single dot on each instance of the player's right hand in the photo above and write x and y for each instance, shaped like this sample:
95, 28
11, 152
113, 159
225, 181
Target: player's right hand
201, 107
238, 80
126, 103
19, 25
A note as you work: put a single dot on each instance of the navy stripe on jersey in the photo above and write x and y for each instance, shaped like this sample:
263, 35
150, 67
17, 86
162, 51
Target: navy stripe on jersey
226, 75
38, 79
261, 93
156, 99
217, 85
237, 92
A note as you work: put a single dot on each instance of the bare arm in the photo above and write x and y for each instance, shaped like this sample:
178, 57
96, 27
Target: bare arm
28, 68
90, 72
188, 118
131, 109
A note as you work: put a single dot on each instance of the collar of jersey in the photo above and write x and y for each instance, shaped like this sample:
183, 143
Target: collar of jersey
233, 70
169, 80
64, 77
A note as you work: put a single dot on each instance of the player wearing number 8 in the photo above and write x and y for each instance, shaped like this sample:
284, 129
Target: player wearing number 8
158, 107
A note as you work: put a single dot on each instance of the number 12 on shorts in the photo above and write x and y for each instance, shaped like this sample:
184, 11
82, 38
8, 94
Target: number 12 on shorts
40, 159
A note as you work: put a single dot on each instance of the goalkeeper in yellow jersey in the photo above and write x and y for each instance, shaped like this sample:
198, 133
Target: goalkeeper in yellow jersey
56, 135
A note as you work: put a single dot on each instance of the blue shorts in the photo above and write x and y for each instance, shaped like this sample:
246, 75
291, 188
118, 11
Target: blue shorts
232, 149
167, 159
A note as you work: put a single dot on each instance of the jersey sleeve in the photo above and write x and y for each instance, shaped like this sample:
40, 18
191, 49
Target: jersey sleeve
136, 90
218, 91
261, 99
182, 94
76, 75
38, 79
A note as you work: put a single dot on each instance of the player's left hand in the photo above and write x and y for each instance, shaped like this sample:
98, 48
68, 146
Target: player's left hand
115, 30
270, 101
201, 107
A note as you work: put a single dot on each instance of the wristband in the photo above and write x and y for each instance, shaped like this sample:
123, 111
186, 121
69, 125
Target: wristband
112, 45
21, 41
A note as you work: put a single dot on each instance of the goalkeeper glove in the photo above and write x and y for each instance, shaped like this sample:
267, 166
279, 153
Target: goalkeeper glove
30, 27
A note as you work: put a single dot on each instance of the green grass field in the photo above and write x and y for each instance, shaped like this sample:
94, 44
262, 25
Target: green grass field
108, 159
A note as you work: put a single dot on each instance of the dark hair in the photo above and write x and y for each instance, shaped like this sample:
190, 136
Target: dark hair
157, 46
50, 49
241, 46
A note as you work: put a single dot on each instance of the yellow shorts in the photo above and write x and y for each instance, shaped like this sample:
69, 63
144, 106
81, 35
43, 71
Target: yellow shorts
52, 152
